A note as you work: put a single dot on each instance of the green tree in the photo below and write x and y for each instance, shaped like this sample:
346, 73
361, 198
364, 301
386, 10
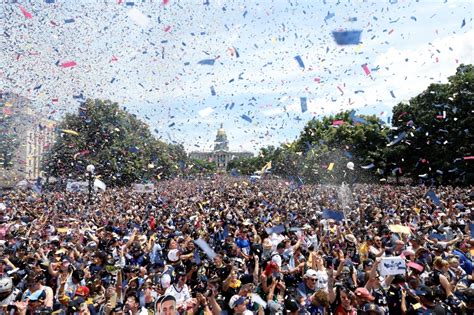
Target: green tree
119, 145
437, 129
201, 167
244, 166
357, 139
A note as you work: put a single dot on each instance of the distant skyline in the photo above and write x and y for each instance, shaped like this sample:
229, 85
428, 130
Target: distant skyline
148, 56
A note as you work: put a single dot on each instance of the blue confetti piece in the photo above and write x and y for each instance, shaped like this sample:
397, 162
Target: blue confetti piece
171, 125
463, 23
67, 21
393, 94
49, 1
304, 106
209, 62
413, 18
130, 4
347, 37
329, 16
392, 1
80, 96
399, 138
300, 61
245, 13
213, 91
246, 118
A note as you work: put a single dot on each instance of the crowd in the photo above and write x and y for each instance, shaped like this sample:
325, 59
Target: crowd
234, 247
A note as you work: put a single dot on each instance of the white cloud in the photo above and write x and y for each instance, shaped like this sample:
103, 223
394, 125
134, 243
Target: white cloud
410, 71
273, 111
138, 18
205, 112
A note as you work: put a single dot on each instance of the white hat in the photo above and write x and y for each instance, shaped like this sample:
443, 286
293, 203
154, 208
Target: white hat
311, 273
277, 260
350, 238
236, 300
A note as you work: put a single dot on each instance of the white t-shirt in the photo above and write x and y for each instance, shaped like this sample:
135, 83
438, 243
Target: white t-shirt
322, 280
181, 295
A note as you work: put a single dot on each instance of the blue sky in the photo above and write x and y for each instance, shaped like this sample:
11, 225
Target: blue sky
145, 54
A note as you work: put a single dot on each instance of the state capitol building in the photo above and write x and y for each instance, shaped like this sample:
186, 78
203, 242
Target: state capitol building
221, 154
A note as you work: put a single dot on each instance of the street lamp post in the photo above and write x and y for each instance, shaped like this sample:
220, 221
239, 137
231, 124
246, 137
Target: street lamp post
90, 169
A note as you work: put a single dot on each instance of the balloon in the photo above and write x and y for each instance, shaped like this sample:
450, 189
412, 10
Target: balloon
350, 165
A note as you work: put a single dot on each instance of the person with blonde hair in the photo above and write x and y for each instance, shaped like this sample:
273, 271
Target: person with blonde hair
439, 275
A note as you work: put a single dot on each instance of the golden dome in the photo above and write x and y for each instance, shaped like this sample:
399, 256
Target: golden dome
221, 131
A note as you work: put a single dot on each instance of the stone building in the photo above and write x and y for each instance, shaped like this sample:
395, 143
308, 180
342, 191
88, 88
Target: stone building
221, 154
26, 136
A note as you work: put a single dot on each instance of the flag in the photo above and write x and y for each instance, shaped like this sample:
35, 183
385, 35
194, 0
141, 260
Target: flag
332, 214
266, 167
99, 184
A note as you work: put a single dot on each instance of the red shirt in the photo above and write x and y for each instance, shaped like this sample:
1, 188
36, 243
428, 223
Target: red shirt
341, 311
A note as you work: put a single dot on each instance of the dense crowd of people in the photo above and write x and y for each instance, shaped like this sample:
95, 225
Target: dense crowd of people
233, 247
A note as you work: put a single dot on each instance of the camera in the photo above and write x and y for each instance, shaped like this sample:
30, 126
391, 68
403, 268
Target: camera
202, 287
278, 277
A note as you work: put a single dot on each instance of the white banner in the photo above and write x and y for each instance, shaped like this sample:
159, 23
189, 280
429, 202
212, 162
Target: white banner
144, 188
392, 266
77, 187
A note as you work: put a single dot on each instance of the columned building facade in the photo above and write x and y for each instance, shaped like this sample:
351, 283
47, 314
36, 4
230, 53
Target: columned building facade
221, 154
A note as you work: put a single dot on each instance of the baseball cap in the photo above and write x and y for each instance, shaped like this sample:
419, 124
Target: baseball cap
415, 266
364, 294
277, 260
371, 307
82, 291
424, 291
236, 300
368, 263
310, 273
